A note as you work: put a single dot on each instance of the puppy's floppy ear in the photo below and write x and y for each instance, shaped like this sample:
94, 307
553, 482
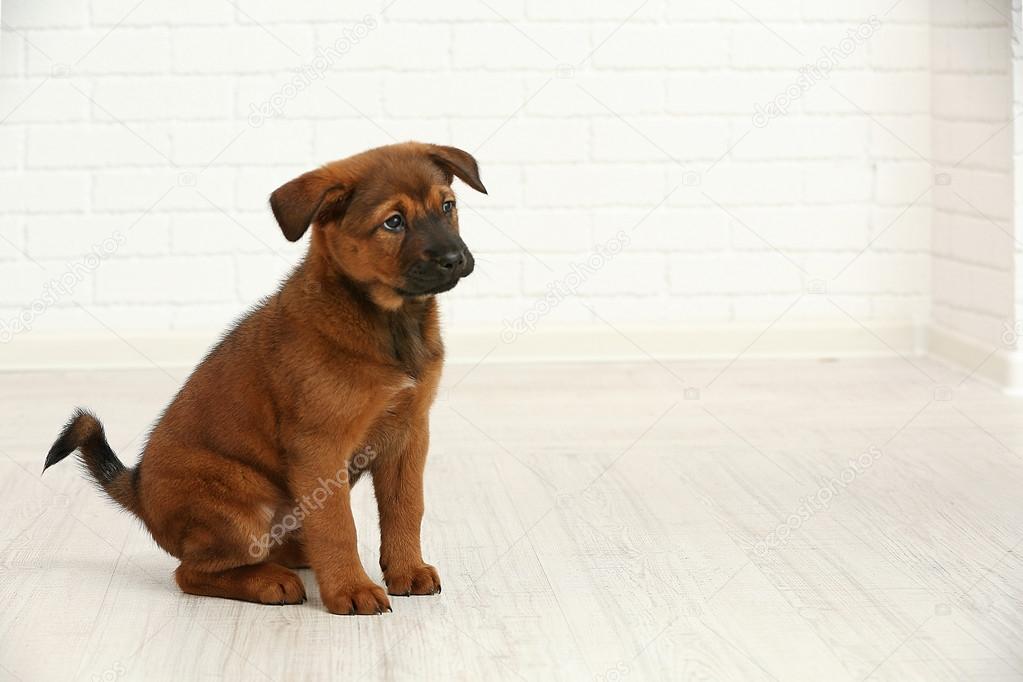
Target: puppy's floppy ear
298, 203
456, 162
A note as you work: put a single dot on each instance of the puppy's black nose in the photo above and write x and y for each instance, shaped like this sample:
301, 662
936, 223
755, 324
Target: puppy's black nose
450, 259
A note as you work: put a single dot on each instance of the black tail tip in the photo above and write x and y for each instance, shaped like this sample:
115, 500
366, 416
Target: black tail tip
82, 426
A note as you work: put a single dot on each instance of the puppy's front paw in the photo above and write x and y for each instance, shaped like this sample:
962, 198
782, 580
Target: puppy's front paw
364, 599
420, 580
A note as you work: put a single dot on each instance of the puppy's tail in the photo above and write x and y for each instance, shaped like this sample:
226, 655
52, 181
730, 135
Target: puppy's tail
84, 433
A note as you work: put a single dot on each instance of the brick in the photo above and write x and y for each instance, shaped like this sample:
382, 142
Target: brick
166, 280
624, 273
12, 237
837, 183
312, 94
906, 11
665, 229
338, 139
269, 12
983, 193
40, 100
181, 13
724, 93
12, 146
166, 97
732, 274
100, 51
968, 13
973, 96
97, 145
831, 47
802, 137
594, 185
882, 272
903, 137
462, 94
971, 50
240, 49
972, 240
12, 52
901, 182
572, 10
677, 139
214, 232
515, 141
392, 46
981, 144
898, 228
277, 141
456, 11
819, 228
526, 232
578, 93
901, 47
639, 46
123, 234
24, 14
876, 93
44, 192
765, 10
138, 191
749, 183
522, 46
33, 290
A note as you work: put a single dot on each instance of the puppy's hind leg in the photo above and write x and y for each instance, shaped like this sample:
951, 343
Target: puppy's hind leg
291, 552
265, 583
219, 561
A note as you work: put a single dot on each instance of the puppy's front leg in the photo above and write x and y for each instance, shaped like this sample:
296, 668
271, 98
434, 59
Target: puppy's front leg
398, 486
320, 481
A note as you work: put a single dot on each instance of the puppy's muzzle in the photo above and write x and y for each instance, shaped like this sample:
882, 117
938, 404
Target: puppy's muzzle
438, 271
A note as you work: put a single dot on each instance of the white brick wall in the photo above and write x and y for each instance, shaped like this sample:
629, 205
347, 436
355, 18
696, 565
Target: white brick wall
587, 119
973, 245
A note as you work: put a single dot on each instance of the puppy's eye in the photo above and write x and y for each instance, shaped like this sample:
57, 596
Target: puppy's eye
396, 223
447, 206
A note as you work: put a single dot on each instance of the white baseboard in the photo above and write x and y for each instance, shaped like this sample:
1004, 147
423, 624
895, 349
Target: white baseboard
178, 352
997, 364
181, 351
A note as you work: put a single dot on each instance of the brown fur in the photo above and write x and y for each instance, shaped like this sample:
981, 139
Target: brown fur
345, 356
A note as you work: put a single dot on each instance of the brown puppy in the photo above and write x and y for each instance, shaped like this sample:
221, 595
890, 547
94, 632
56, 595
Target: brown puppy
247, 473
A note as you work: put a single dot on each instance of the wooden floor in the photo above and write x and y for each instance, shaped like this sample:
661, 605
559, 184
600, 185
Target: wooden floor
778, 520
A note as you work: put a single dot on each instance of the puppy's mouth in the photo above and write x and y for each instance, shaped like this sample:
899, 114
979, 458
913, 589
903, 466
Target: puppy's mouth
429, 291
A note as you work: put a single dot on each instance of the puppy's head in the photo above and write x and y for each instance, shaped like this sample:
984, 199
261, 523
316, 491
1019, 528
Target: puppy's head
386, 218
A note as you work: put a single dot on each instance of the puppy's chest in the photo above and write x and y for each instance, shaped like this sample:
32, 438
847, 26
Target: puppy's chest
412, 347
